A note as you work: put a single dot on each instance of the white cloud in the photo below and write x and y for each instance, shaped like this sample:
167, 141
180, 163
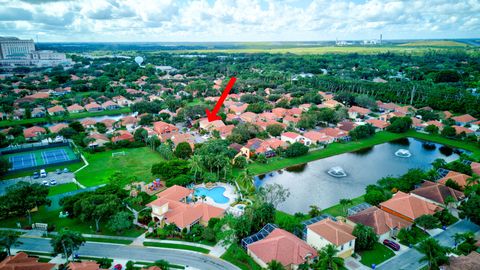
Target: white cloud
237, 20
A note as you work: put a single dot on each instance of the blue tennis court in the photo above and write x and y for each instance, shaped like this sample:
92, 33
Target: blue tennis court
23, 161
54, 156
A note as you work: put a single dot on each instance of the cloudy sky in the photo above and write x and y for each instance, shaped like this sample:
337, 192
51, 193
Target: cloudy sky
238, 20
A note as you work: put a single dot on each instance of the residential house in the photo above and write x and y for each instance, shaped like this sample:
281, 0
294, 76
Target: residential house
336, 133
238, 108
475, 167
129, 122
331, 104
183, 137
447, 114
463, 120
326, 95
436, 123
281, 246
56, 110
295, 112
110, 105
386, 107
21, 261
257, 146
84, 265
279, 112
98, 140
38, 112
93, 107
33, 133
56, 128
406, 109
171, 207
408, 207
383, 223
225, 131
318, 137
461, 129
162, 128
459, 178
75, 108
88, 123
206, 125
357, 112
248, 117
240, 150
462, 262
275, 143
347, 125
121, 100
268, 117
123, 135
291, 120
109, 123
379, 125
334, 232
292, 137
438, 194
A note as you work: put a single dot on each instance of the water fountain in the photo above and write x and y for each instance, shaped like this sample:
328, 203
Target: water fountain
404, 153
337, 171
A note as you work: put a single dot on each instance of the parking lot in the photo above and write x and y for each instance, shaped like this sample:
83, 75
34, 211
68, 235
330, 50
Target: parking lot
60, 178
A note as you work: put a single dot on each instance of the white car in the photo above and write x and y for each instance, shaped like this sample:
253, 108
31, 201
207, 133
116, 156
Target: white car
43, 173
45, 183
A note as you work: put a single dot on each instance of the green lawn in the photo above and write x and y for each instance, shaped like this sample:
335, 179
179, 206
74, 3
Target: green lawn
377, 255
62, 188
470, 146
134, 165
238, 257
176, 246
107, 240
73, 116
51, 217
337, 210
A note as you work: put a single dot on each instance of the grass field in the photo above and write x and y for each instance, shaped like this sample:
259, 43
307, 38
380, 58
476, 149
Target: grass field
134, 165
377, 255
434, 43
62, 188
73, 116
108, 240
176, 246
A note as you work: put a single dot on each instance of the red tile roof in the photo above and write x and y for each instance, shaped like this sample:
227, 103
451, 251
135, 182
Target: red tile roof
21, 261
381, 221
55, 109
335, 232
437, 192
378, 123
283, 247
408, 206
33, 131
162, 127
459, 178
466, 118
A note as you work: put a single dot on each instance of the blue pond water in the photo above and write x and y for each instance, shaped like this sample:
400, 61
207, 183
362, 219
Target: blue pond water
215, 193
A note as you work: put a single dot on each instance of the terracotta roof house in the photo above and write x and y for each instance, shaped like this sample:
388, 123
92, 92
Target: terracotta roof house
356, 111
205, 124
56, 110
257, 145
130, 122
75, 108
33, 132
225, 131
98, 140
346, 125
405, 109
88, 265
447, 114
281, 246
268, 116
249, 117
108, 123
386, 107
475, 167
183, 137
383, 223
437, 193
292, 137
88, 122
38, 112
462, 120
378, 124
170, 207
279, 112
110, 105
296, 112
21, 261
336, 133
291, 120
123, 135
121, 100
459, 178
275, 143
326, 96
408, 207
335, 232
469, 262
435, 123
305, 107
56, 128
318, 137
164, 128
238, 108
39, 95
93, 107
263, 125
460, 129
330, 104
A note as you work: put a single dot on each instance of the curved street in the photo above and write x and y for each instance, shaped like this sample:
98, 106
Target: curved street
134, 253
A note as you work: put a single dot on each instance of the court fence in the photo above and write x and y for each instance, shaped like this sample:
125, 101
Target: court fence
38, 146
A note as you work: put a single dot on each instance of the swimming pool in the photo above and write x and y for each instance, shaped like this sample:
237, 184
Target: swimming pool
215, 193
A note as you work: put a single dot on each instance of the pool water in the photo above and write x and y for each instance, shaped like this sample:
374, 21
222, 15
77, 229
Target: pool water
215, 193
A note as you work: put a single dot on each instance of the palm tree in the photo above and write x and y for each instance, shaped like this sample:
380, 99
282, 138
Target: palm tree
314, 211
195, 165
275, 265
9, 239
204, 197
462, 237
328, 260
345, 203
434, 253
474, 179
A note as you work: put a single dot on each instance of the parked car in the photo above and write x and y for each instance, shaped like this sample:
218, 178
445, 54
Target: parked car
53, 182
391, 244
36, 175
58, 171
65, 170
43, 173
45, 183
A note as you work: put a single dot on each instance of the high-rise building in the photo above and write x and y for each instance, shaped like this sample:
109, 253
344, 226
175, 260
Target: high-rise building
21, 52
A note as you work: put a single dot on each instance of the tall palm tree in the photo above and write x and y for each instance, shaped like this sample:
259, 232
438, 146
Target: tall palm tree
434, 253
275, 265
474, 179
328, 260
9, 239
195, 165
345, 203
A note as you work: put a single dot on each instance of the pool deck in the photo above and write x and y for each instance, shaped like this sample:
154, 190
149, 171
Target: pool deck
230, 193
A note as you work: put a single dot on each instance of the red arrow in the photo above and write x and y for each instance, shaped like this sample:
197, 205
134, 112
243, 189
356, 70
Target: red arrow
212, 115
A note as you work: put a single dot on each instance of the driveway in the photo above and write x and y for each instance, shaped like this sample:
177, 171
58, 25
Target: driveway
62, 178
134, 253
410, 259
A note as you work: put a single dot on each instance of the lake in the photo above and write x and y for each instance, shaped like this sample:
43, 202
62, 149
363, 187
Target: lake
310, 184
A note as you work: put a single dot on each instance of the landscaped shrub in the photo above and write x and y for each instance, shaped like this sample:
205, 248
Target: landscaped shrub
105, 263
295, 150
445, 217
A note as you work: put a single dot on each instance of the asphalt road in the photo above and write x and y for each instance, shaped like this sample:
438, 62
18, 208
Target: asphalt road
409, 259
134, 253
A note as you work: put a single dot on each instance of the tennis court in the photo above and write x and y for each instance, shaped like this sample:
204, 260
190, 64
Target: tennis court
40, 157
